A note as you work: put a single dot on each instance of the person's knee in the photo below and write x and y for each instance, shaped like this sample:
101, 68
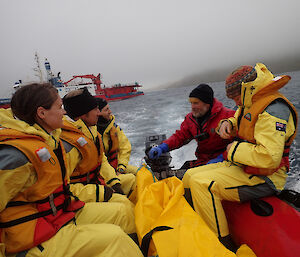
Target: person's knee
200, 181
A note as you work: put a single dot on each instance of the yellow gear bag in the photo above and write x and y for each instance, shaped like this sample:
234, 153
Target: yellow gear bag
166, 224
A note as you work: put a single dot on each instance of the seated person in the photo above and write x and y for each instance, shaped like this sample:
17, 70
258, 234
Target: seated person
256, 165
116, 146
199, 124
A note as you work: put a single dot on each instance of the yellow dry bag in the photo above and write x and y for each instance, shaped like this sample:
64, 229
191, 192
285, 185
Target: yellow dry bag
166, 224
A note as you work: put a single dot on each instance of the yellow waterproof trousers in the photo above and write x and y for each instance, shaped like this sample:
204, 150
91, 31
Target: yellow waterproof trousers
118, 207
210, 184
106, 212
168, 227
90, 236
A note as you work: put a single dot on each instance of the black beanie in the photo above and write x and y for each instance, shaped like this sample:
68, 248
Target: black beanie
101, 103
204, 93
80, 104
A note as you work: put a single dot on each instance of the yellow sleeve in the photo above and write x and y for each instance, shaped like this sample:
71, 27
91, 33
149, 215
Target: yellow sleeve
108, 172
88, 193
269, 147
14, 181
73, 157
124, 149
232, 121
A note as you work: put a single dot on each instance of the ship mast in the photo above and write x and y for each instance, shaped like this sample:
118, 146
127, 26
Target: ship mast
50, 75
37, 69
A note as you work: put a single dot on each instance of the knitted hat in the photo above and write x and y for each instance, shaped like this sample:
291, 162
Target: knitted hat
204, 93
78, 105
101, 103
234, 80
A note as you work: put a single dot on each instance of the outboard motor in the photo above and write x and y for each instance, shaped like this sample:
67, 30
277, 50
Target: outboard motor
161, 166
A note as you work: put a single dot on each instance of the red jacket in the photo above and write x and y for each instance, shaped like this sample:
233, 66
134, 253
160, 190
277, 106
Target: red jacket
210, 144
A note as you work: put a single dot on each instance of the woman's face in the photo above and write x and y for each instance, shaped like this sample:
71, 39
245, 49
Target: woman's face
51, 119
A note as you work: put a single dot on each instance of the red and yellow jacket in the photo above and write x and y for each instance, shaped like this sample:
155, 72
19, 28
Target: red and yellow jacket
36, 213
87, 170
116, 145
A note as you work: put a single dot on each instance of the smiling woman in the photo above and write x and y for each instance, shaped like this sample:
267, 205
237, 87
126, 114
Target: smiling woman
38, 103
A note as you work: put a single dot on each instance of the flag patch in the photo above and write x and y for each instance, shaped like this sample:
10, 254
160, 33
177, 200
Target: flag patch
248, 116
280, 126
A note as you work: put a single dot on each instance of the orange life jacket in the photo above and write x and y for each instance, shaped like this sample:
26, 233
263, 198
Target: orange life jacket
37, 213
87, 170
248, 120
112, 152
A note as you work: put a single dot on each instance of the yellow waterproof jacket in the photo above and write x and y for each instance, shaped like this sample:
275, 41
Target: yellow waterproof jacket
35, 198
74, 157
264, 135
166, 224
116, 144
87, 170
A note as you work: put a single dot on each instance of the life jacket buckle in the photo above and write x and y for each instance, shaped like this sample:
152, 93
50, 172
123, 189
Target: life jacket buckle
52, 205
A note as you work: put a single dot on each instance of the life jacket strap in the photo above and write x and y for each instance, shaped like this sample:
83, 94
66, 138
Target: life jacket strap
29, 217
20, 203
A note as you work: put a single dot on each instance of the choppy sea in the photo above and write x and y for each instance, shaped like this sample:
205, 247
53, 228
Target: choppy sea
162, 111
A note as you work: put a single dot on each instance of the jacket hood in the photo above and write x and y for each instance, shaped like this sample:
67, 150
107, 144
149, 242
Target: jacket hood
264, 83
8, 120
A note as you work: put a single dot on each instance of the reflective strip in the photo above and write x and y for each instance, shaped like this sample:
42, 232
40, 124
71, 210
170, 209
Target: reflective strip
81, 141
43, 154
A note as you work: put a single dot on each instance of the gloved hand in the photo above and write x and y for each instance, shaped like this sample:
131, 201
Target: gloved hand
117, 188
219, 158
120, 170
157, 151
107, 193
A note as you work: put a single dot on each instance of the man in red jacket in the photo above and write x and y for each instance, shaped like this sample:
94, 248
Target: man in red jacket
200, 125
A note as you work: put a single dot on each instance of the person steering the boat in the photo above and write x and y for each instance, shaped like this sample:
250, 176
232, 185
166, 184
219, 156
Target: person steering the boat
117, 147
257, 161
199, 124
39, 216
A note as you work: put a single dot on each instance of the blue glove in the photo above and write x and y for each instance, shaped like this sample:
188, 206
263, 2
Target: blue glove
219, 158
157, 151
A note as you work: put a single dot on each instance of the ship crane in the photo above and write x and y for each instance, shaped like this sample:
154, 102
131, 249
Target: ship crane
95, 80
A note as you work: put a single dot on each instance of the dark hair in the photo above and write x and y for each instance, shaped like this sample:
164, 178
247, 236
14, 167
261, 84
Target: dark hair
27, 99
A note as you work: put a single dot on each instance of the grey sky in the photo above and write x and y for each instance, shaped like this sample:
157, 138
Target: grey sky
154, 42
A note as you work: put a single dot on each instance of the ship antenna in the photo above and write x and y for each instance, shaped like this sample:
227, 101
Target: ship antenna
37, 69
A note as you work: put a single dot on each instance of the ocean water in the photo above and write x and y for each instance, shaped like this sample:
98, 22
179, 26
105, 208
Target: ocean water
162, 111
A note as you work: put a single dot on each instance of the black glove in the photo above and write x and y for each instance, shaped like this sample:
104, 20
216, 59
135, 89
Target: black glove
107, 193
117, 188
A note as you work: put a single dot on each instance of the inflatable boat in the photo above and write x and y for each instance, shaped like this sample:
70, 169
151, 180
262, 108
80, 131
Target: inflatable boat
270, 226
